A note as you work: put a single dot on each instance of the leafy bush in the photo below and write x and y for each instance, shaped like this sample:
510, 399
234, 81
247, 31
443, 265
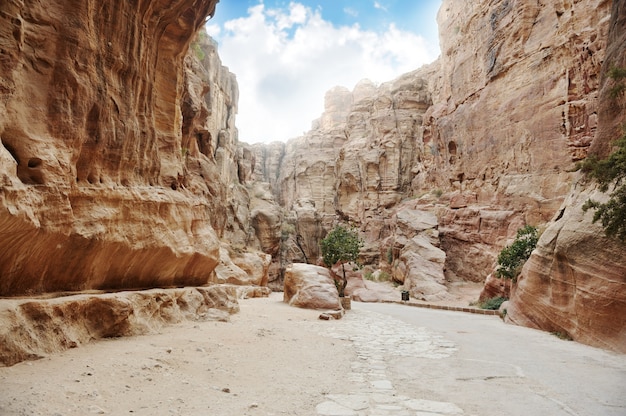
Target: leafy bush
513, 257
492, 304
383, 276
612, 214
341, 245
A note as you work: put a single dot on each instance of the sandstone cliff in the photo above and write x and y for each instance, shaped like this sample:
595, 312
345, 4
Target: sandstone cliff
575, 282
118, 151
485, 137
120, 165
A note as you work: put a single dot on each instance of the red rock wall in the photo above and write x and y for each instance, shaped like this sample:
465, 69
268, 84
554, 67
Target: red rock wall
92, 168
514, 106
575, 281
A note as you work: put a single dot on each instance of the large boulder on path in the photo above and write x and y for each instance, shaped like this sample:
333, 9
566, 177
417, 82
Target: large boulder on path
311, 287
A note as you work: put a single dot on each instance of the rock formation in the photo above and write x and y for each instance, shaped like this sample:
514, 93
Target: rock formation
120, 166
32, 328
485, 137
309, 286
575, 281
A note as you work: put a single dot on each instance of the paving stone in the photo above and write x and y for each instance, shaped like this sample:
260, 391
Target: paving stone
376, 339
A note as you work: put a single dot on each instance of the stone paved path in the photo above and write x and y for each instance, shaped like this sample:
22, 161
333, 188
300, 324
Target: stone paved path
376, 339
420, 362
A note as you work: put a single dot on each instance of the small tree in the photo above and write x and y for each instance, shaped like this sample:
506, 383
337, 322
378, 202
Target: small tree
513, 257
341, 245
610, 171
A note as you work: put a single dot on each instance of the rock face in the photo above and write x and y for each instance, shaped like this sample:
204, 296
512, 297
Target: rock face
575, 281
120, 166
311, 287
513, 109
420, 262
485, 138
30, 329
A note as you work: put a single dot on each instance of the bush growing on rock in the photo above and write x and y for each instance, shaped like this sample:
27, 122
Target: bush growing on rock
612, 170
513, 257
492, 303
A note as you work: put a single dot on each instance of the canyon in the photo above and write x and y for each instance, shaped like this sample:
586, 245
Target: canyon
121, 166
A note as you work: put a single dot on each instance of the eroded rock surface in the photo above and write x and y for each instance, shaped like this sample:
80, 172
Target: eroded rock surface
309, 286
32, 328
485, 138
575, 281
120, 165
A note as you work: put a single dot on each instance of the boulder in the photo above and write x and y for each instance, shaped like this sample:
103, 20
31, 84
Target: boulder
311, 287
575, 280
374, 292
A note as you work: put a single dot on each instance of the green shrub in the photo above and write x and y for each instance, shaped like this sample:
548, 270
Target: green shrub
286, 230
612, 214
383, 276
492, 304
341, 245
562, 335
513, 257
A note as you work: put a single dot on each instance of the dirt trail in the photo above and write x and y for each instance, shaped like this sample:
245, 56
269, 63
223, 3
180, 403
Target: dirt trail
270, 359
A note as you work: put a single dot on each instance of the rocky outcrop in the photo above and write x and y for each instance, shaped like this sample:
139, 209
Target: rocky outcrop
575, 281
418, 261
242, 267
33, 328
120, 165
309, 286
485, 138
513, 109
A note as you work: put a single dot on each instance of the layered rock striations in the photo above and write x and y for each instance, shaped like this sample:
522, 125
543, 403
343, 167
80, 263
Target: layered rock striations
120, 165
575, 281
119, 158
485, 137
515, 106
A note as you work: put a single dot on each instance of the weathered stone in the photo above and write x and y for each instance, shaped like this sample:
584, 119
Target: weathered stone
244, 268
311, 287
373, 292
97, 138
575, 281
32, 328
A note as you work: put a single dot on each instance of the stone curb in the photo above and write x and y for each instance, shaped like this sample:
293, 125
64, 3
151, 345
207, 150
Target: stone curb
476, 311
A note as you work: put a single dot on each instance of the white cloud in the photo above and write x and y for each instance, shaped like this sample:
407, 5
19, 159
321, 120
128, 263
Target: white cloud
285, 61
379, 6
351, 12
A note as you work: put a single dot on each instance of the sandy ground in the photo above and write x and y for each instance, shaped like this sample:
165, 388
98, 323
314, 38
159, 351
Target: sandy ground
270, 359
273, 359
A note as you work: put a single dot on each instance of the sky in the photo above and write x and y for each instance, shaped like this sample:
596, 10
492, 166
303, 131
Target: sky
287, 54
